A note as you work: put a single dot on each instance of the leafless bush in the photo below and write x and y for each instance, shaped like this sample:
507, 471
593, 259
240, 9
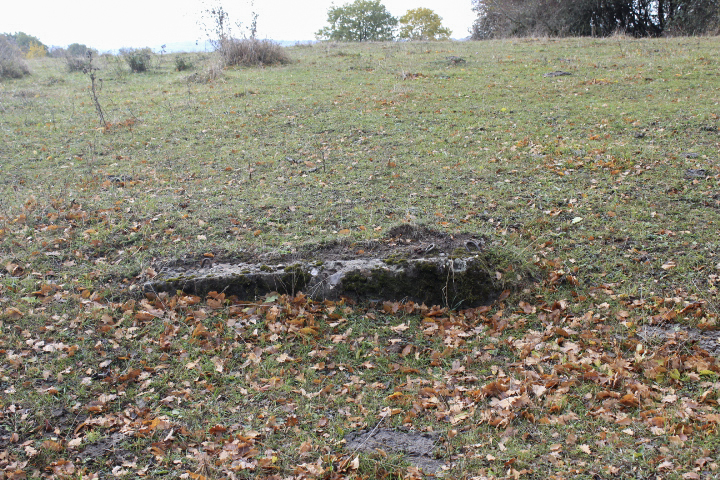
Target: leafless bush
89, 69
75, 64
211, 73
252, 52
183, 63
12, 64
247, 51
57, 52
138, 59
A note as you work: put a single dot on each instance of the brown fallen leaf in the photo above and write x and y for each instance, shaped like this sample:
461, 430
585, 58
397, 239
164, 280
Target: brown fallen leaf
52, 445
630, 400
13, 313
527, 308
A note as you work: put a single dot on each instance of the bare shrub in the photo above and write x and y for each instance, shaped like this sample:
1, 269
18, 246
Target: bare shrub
75, 64
211, 73
183, 63
117, 65
247, 51
138, 59
252, 52
12, 64
57, 52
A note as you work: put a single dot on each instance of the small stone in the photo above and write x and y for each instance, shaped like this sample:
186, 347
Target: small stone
557, 73
696, 173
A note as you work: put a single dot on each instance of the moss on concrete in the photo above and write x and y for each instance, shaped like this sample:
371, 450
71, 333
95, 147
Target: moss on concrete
424, 282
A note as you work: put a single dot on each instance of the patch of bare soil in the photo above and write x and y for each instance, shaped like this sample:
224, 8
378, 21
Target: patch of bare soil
417, 448
107, 448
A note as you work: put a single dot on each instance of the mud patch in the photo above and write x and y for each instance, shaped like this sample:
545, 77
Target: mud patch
417, 448
708, 340
5, 434
106, 448
412, 263
62, 419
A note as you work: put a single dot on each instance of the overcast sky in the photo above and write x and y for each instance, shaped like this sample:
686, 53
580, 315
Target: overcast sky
109, 25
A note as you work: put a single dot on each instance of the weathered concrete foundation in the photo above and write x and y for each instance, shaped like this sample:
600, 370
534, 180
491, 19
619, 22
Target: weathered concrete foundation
441, 280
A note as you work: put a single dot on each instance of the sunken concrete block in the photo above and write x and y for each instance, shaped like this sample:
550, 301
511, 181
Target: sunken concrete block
455, 282
413, 262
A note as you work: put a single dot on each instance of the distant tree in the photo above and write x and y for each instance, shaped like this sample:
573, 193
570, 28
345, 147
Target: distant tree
423, 24
28, 44
689, 17
507, 18
640, 18
360, 21
77, 50
12, 64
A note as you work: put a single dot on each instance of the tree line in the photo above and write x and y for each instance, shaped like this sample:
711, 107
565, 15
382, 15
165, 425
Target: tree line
640, 18
369, 20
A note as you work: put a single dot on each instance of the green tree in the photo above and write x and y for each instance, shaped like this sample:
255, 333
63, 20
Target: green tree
423, 24
77, 50
640, 18
12, 64
360, 21
27, 42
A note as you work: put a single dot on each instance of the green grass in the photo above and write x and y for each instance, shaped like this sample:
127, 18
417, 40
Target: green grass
592, 177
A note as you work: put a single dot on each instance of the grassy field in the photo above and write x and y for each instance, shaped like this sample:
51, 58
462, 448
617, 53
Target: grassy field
604, 182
